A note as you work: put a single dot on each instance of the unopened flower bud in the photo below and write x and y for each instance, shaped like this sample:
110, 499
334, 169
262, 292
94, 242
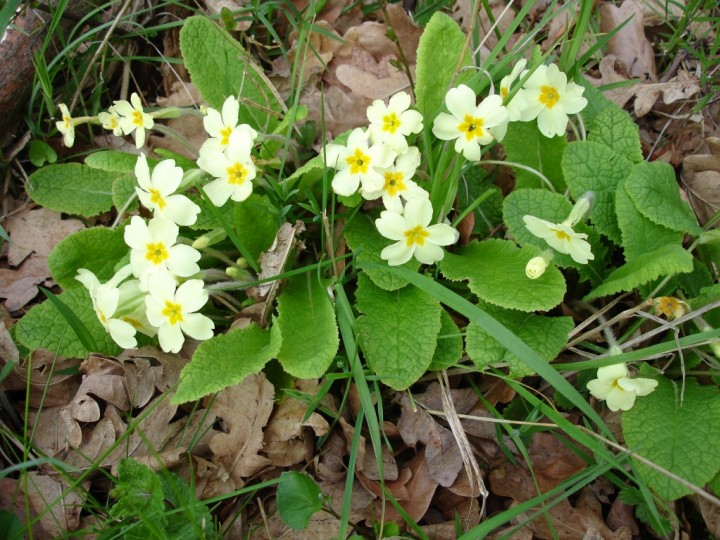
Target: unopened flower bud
238, 274
582, 207
209, 238
535, 267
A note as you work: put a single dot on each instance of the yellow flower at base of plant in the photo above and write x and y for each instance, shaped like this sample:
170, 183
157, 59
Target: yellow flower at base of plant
66, 126
673, 308
614, 385
561, 237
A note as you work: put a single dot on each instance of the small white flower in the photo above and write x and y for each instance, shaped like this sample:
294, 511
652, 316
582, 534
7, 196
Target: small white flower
172, 311
516, 105
551, 99
413, 234
133, 118
112, 302
66, 126
153, 250
536, 267
468, 124
616, 387
391, 123
357, 163
111, 120
561, 237
220, 125
156, 192
232, 168
398, 184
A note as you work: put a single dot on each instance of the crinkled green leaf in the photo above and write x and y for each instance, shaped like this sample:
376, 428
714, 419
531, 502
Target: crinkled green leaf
666, 261
255, 223
654, 190
592, 166
41, 153
73, 188
525, 144
44, 328
298, 498
98, 249
309, 173
306, 320
545, 335
206, 219
449, 344
123, 193
440, 55
226, 360
678, 431
597, 102
495, 270
112, 160
366, 244
614, 128
220, 67
398, 331
639, 234
138, 491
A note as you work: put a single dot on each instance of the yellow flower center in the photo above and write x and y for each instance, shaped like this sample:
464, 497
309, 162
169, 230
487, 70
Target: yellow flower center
358, 162
157, 199
236, 174
391, 123
156, 253
173, 312
67, 121
137, 118
101, 316
416, 235
132, 322
225, 135
504, 91
114, 124
549, 96
394, 183
669, 306
471, 127
561, 235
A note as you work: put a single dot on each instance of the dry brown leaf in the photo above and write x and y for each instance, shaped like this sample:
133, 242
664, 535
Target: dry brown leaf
467, 509
657, 12
37, 231
340, 110
183, 94
245, 410
389, 465
420, 487
97, 442
623, 515
47, 387
105, 379
629, 44
51, 492
330, 462
406, 31
196, 432
191, 134
19, 286
209, 479
55, 430
701, 180
443, 457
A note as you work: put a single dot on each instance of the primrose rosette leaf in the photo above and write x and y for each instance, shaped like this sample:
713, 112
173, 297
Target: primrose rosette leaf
398, 331
495, 270
449, 344
677, 430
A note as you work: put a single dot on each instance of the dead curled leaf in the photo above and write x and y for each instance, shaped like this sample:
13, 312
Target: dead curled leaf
37, 231
629, 44
701, 179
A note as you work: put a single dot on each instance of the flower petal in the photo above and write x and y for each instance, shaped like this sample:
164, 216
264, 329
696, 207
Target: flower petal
391, 225
171, 338
429, 253
398, 253
198, 326
418, 212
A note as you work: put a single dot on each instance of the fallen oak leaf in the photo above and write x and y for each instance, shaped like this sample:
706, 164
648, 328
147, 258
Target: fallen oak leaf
20, 286
37, 231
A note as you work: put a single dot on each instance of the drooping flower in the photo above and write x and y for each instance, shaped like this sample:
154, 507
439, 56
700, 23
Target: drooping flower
551, 98
614, 385
470, 125
398, 184
358, 164
133, 118
115, 304
172, 311
111, 120
157, 192
392, 123
66, 126
221, 124
516, 105
233, 169
670, 307
413, 234
153, 250
561, 237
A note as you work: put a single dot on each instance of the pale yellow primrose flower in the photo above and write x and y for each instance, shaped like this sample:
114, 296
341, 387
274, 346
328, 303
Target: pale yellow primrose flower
156, 192
391, 123
358, 164
233, 169
66, 126
671, 307
111, 120
468, 124
551, 99
133, 118
536, 267
173, 311
398, 184
116, 305
561, 237
220, 125
414, 234
516, 105
153, 250
616, 387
